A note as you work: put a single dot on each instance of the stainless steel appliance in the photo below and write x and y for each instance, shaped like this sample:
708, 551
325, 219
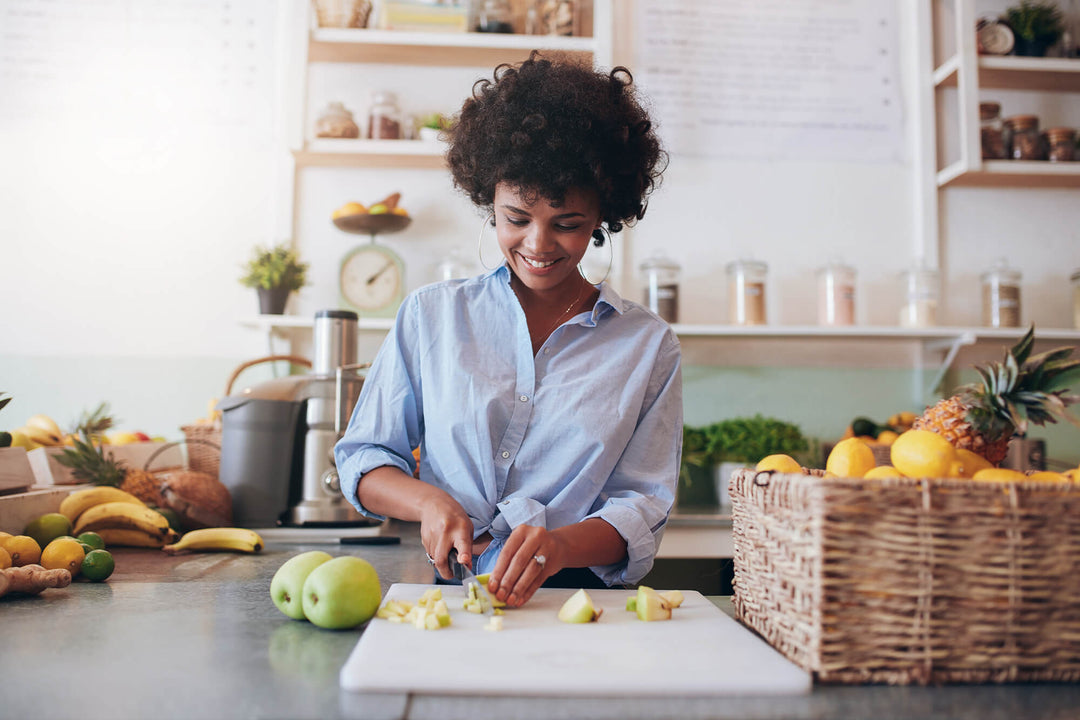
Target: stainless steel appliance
278, 436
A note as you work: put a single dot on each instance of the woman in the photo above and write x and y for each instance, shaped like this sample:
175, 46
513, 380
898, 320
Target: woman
548, 410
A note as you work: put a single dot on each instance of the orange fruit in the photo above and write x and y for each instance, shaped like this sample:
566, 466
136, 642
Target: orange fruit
23, 549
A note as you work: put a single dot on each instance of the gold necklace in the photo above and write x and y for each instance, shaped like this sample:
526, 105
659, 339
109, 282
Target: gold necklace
559, 319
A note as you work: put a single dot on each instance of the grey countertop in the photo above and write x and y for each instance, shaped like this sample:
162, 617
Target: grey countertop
196, 636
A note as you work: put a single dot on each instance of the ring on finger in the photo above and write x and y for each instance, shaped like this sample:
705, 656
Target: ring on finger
540, 560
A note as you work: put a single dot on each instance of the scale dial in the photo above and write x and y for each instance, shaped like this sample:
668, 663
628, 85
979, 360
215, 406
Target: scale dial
373, 280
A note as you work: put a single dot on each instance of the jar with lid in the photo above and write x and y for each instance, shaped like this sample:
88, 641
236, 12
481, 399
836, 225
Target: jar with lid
992, 131
1026, 141
746, 292
1001, 296
836, 294
494, 17
336, 121
454, 266
660, 275
384, 119
1075, 279
1061, 144
921, 290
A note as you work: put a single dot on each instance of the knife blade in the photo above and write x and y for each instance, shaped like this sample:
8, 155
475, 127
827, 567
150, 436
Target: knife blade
465, 574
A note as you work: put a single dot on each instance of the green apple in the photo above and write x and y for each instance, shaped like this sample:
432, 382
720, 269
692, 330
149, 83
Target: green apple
579, 608
378, 209
651, 606
342, 593
287, 587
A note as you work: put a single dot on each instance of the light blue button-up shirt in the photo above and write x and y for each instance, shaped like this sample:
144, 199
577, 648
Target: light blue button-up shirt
590, 426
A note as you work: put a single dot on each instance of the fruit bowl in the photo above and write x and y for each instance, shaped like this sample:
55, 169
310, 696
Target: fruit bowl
368, 224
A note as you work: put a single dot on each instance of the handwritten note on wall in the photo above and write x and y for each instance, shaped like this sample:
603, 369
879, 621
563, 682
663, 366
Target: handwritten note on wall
189, 69
773, 79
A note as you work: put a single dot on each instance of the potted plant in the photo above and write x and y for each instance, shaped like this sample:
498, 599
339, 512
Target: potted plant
274, 273
432, 126
1036, 25
721, 448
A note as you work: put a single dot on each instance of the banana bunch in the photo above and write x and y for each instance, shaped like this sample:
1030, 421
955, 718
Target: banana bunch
220, 539
117, 516
39, 431
213, 415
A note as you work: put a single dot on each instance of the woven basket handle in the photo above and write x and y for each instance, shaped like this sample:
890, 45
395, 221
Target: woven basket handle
174, 443
294, 359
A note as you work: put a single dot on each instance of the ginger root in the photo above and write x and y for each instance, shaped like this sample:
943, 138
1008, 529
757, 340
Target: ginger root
32, 579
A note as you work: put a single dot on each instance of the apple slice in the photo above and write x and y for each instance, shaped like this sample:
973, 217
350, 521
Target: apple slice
579, 608
651, 606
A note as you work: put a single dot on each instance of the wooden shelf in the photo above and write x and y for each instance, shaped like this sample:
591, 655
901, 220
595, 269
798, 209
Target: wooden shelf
1016, 73
1012, 173
324, 152
415, 48
270, 323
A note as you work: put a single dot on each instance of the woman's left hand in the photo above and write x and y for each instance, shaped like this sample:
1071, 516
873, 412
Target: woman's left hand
529, 556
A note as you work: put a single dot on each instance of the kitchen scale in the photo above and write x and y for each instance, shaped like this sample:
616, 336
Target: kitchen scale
372, 276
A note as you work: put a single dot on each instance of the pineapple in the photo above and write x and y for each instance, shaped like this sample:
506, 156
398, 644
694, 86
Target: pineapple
94, 424
89, 462
982, 417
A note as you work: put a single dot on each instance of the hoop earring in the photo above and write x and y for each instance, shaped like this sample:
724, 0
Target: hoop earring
611, 258
480, 241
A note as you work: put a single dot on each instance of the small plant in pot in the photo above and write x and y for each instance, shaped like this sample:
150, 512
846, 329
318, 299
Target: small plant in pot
432, 126
274, 273
1037, 24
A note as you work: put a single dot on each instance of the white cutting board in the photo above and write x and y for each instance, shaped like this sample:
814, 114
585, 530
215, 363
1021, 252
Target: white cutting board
701, 651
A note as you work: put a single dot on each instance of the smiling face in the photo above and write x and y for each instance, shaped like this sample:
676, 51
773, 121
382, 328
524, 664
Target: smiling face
543, 242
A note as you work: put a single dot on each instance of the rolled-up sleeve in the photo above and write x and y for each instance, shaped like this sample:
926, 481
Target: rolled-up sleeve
641, 491
387, 423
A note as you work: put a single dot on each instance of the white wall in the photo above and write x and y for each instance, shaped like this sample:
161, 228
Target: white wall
125, 245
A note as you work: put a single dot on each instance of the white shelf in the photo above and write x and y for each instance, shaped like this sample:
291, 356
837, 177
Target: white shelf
270, 323
1012, 173
1016, 73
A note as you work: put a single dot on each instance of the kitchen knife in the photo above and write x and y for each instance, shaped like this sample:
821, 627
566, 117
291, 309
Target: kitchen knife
467, 578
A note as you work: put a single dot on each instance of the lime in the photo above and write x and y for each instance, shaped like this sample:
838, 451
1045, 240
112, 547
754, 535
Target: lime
173, 517
47, 528
97, 565
92, 539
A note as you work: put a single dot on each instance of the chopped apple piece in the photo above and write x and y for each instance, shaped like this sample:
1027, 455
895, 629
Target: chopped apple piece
495, 624
673, 598
651, 606
579, 608
631, 603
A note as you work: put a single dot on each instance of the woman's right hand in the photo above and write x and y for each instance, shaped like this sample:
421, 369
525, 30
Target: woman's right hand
445, 525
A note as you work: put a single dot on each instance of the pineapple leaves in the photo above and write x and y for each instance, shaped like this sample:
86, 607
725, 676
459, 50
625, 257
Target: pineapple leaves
1022, 349
1059, 376
4, 401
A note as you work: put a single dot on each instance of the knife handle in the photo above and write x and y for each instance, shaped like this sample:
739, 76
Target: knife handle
455, 566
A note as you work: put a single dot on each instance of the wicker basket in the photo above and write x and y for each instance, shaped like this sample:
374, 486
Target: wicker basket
204, 439
342, 13
906, 581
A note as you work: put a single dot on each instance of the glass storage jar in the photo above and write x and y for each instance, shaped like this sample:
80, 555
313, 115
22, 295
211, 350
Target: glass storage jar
921, 290
1001, 296
836, 294
660, 275
336, 122
1061, 144
746, 292
1026, 141
992, 131
384, 119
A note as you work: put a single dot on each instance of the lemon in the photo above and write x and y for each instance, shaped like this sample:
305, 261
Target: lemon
24, 550
98, 565
1046, 476
780, 463
994, 474
924, 454
850, 458
66, 553
5, 559
47, 528
972, 462
883, 471
887, 437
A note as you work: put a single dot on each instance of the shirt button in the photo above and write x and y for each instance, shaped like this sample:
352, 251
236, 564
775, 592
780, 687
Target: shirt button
524, 398
505, 454
505, 502
547, 351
